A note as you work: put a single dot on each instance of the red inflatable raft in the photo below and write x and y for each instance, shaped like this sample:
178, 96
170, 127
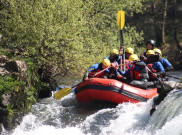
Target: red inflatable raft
98, 89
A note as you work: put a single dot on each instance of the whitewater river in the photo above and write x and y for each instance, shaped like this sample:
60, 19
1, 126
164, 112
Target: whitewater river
66, 117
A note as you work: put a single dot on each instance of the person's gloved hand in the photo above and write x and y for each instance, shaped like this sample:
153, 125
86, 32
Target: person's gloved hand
119, 76
114, 65
154, 75
160, 75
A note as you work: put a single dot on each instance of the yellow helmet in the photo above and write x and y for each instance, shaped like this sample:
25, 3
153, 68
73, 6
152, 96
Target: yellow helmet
133, 57
156, 50
150, 52
115, 51
130, 50
106, 62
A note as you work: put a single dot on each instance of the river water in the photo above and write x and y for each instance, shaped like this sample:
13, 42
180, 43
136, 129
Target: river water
65, 117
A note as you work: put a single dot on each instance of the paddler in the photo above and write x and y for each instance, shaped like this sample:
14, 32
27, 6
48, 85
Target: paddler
94, 69
155, 68
165, 63
137, 74
114, 56
128, 52
150, 44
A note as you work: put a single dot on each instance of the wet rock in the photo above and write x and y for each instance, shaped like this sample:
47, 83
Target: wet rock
170, 85
163, 90
166, 87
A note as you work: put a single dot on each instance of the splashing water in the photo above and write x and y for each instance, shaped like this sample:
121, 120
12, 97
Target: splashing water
66, 117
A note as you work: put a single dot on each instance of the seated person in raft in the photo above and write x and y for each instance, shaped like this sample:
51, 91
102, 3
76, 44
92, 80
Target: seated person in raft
105, 69
96, 70
137, 74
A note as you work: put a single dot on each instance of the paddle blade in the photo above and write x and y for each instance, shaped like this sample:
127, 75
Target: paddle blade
121, 19
61, 93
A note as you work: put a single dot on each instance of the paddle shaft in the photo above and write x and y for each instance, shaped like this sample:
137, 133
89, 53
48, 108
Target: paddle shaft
122, 60
121, 23
166, 75
101, 71
153, 73
173, 77
76, 85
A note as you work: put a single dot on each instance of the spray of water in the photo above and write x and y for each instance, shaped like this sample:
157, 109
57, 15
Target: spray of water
65, 117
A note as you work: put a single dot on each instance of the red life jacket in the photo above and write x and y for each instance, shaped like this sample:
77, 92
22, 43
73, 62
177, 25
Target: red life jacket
135, 75
91, 74
126, 64
153, 71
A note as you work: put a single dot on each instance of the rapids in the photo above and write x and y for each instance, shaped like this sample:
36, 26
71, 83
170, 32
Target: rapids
66, 117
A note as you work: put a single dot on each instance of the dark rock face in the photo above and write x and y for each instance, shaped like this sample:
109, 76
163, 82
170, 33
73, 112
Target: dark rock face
16, 102
3, 59
12, 100
45, 92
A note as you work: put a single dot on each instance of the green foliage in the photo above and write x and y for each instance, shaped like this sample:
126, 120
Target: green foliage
10, 109
70, 34
31, 95
132, 38
9, 84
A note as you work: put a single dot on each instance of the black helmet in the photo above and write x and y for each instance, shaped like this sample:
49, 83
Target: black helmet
152, 42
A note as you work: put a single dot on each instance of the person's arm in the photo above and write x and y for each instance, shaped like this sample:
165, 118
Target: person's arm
160, 69
168, 66
90, 69
140, 64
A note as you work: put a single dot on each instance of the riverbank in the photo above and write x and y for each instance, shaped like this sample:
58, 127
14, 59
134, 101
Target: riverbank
20, 88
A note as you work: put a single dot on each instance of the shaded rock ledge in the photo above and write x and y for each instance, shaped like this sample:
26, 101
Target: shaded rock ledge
17, 93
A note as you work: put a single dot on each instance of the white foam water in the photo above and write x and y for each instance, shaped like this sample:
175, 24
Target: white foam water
51, 117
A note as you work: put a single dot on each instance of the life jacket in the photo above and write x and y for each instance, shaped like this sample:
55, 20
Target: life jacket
126, 64
92, 73
151, 76
135, 75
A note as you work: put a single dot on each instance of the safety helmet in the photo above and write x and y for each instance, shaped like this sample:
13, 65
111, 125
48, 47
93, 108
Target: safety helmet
133, 57
156, 50
150, 52
106, 62
130, 50
115, 51
152, 42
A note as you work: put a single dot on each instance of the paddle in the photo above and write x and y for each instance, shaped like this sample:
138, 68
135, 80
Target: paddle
174, 77
101, 71
153, 73
65, 91
121, 22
